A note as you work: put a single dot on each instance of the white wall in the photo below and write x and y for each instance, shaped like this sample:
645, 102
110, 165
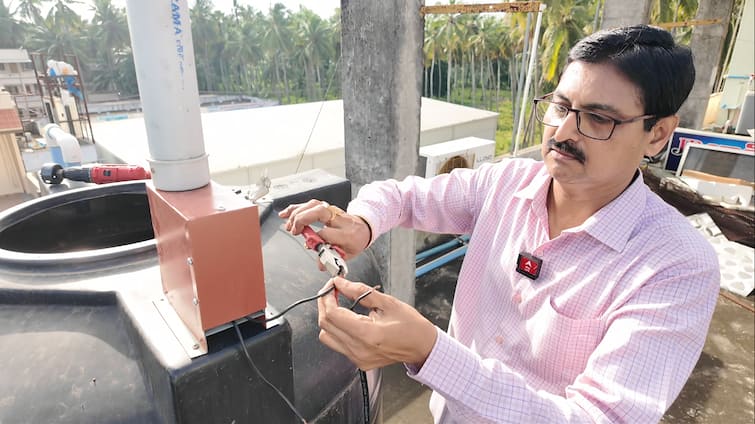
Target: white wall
742, 61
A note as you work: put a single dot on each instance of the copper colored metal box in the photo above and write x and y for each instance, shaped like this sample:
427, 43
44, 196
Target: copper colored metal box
210, 253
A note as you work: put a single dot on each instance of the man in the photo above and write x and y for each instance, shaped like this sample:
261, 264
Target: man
582, 297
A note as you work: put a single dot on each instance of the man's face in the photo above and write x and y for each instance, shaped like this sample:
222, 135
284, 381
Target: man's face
580, 162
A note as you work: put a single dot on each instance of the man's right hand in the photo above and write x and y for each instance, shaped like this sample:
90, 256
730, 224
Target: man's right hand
349, 232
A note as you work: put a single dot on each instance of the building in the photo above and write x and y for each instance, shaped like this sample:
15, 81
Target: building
17, 76
13, 178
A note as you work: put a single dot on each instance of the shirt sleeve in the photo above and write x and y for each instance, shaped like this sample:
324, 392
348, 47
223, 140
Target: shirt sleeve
448, 203
646, 355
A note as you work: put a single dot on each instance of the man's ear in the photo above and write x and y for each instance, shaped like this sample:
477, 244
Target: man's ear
660, 134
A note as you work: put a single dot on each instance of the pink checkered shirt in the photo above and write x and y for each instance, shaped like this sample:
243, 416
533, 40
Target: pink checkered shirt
608, 333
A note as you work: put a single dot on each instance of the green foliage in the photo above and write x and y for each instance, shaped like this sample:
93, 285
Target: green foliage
294, 56
505, 128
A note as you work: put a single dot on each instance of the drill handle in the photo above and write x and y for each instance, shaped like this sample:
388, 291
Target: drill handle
78, 173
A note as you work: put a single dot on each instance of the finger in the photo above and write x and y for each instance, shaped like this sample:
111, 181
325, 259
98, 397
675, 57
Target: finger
293, 211
328, 285
326, 303
331, 341
286, 212
333, 319
376, 300
349, 232
309, 213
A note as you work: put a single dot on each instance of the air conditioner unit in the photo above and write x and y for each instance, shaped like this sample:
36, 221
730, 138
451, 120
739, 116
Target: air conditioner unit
468, 152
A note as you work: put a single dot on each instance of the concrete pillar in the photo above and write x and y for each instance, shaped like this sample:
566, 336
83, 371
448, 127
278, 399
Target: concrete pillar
618, 13
381, 54
707, 44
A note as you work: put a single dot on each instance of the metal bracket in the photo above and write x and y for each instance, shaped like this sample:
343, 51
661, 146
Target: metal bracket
191, 345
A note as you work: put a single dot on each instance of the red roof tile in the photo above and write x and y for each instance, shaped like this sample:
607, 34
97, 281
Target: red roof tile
9, 120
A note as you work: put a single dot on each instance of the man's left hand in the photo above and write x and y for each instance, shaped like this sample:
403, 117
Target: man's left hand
392, 332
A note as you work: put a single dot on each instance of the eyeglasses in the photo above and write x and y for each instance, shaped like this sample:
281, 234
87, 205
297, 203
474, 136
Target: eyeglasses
590, 124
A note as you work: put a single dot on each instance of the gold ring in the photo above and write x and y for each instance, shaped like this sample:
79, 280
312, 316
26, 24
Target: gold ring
335, 211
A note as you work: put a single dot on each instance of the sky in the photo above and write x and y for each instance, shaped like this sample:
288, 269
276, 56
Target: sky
323, 8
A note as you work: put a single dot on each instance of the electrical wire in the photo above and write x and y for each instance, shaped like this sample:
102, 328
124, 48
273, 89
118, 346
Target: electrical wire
317, 117
365, 394
362, 374
295, 304
262, 377
362, 296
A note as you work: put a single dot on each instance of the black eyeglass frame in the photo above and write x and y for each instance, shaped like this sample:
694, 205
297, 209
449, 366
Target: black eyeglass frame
548, 98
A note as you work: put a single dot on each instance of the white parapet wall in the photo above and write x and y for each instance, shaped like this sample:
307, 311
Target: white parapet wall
283, 140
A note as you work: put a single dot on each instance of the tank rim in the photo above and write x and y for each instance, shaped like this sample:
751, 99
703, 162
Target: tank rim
26, 210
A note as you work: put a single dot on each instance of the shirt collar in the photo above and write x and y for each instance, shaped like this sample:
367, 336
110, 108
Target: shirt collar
625, 209
614, 223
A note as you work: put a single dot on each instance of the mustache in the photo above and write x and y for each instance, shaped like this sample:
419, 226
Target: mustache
568, 148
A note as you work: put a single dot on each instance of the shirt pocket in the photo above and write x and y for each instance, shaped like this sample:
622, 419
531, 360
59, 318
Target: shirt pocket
561, 345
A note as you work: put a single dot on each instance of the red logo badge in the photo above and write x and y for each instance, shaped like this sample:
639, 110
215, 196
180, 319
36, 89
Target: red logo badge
529, 265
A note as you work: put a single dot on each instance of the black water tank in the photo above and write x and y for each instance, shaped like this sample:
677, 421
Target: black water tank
82, 340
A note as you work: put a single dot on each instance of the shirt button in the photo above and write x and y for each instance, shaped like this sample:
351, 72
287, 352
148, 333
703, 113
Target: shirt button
517, 298
499, 340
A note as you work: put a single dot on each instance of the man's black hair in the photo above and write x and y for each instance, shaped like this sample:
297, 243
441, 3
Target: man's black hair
648, 56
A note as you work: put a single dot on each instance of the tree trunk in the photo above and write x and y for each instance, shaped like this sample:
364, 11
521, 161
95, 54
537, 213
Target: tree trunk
706, 44
497, 84
432, 76
277, 79
463, 77
285, 85
474, 83
448, 77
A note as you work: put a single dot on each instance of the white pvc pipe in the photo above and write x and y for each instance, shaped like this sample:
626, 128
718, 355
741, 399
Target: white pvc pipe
64, 147
527, 82
165, 71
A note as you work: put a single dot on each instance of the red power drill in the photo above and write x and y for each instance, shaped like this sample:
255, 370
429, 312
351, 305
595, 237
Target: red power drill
53, 173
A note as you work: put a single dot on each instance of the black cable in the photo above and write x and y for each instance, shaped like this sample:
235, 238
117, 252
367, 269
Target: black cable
362, 296
365, 396
362, 374
262, 377
295, 304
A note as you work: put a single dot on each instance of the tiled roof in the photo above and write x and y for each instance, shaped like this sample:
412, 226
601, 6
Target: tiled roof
9, 120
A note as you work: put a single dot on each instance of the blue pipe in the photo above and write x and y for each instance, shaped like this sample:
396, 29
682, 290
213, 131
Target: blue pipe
435, 263
441, 247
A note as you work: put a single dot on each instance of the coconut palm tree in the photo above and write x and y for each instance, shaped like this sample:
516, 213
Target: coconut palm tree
277, 38
431, 51
30, 10
313, 47
55, 40
565, 22
244, 50
12, 31
663, 11
109, 35
64, 17
205, 34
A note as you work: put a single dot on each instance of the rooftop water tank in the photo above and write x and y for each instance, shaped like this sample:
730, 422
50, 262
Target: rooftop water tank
82, 340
